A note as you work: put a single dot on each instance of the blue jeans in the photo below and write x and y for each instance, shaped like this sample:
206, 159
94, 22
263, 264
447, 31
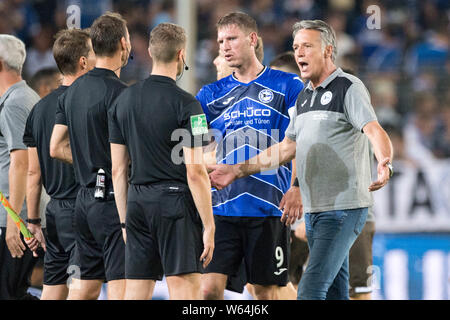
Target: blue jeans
330, 236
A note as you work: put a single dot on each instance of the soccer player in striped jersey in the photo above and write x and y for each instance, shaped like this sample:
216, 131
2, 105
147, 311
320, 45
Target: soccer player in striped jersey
248, 112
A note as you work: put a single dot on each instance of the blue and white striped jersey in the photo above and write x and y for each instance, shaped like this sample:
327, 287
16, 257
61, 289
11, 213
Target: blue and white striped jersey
247, 118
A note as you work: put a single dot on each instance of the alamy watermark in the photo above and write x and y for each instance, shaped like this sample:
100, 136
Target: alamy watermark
73, 17
235, 146
374, 20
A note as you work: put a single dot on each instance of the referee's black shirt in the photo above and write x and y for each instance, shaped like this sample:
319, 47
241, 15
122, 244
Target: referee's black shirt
57, 177
84, 108
144, 117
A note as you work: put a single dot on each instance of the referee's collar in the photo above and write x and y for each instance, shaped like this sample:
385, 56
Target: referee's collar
327, 81
102, 72
160, 78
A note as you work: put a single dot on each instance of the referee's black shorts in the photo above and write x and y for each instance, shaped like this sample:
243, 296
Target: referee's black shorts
164, 231
99, 237
61, 251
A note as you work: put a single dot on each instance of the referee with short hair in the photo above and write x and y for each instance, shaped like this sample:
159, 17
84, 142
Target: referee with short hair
74, 56
168, 200
82, 117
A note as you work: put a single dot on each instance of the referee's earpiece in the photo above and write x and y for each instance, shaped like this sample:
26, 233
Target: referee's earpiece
185, 65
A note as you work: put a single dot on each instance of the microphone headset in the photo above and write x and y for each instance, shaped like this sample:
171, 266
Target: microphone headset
185, 65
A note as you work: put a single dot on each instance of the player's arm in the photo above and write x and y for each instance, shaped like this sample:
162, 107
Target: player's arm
34, 189
17, 190
270, 158
120, 160
382, 148
60, 144
200, 188
209, 153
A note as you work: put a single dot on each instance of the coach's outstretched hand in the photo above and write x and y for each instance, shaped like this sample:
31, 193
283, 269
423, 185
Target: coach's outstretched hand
221, 175
383, 175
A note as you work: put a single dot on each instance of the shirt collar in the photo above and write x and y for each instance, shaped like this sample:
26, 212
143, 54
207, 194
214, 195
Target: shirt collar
160, 78
102, 72
15, 86
327, 81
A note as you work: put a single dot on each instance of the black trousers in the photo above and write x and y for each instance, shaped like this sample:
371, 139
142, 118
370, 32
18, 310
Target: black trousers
14, 273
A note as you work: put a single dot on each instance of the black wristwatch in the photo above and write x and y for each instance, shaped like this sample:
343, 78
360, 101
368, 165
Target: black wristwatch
122, 225
34, 221
295, 184
391, 169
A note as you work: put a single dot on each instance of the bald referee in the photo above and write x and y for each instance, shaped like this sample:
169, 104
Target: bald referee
168, 200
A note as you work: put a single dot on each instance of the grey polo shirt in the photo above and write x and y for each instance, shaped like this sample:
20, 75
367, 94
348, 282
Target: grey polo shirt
17, 102
333, 165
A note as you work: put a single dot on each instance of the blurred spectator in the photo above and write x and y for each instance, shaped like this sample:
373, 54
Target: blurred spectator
384, 100
441, 137
388, 54
345, 43
140, 66
420, 128
45, 81
163, 11
40, 55
432, 52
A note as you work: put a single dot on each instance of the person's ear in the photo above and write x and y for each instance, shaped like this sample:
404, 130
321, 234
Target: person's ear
123, 43
328, 51
253, 39
82, 62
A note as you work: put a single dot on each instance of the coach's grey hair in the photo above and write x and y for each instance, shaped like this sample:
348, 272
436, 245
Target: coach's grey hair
12, 52
327, 33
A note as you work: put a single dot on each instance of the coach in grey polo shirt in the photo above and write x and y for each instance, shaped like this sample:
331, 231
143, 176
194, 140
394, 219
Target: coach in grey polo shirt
329, 136
332, 153
16, 101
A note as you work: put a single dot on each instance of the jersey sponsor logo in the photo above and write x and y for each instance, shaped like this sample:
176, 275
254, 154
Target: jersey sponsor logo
248, 113
199, 124
265, 96
326, 98
226, 102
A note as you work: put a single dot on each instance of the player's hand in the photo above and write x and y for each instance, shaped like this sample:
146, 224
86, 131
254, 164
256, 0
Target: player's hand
383, 175
13, 241
208, 245
37, 241
221, 175
291, 205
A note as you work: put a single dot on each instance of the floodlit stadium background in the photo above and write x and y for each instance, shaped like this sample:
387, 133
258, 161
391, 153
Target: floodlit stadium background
400, 49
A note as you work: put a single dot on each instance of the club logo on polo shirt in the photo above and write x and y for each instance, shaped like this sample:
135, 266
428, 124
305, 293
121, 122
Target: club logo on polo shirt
199, 124
326, 98
265, 96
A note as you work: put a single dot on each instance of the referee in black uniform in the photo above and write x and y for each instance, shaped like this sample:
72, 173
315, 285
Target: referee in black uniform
74, 56
168, 199
82, 117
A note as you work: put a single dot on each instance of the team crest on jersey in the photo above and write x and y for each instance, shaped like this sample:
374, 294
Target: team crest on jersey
265, 96
326, 98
